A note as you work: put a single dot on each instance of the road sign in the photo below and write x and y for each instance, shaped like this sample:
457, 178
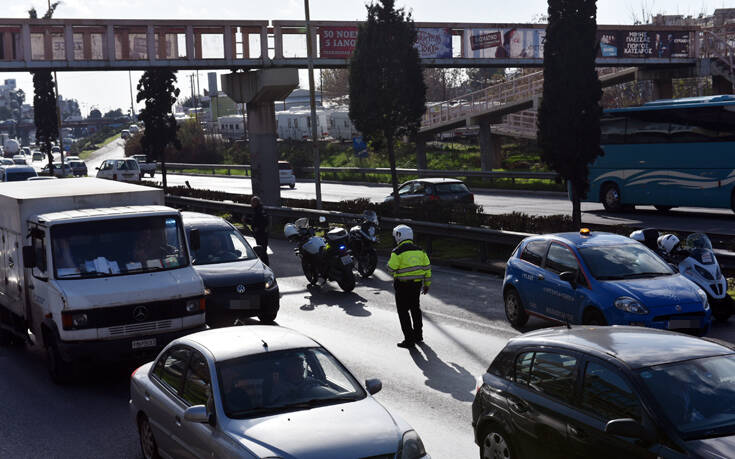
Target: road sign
360, 147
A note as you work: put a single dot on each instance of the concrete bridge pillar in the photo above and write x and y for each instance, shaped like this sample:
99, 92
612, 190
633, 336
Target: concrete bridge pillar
259, 90
421, 152
721, 85
663, 88
490, 151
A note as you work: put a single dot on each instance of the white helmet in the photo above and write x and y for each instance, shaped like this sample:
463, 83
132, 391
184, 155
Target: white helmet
638, 236
290, 231
402, 233
668, 242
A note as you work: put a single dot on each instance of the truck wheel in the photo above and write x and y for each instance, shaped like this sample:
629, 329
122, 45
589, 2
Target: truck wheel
292, 186
61, 371
514, 310
610, 198
663, 208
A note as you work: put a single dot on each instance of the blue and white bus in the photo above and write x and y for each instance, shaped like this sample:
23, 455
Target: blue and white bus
667, 153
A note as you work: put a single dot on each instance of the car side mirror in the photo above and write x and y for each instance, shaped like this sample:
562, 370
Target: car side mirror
626, 427
97, 168
569, 276
29, 257
373, 386
196, 413
260, 252
194, 240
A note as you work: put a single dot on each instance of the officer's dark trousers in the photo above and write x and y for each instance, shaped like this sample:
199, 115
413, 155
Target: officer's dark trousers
261, 239
407, 303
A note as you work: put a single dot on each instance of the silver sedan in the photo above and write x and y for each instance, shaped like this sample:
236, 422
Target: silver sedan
261, 392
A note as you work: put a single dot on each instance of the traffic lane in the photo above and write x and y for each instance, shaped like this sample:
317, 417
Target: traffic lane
89, 418
495, 202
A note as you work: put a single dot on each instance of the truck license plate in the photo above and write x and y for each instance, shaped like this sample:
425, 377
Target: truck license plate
144, 343
346, 260
681, 323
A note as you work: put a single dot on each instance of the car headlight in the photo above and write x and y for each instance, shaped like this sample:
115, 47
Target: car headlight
79, 320
192, 306
628, 304
703, 297
411, 446
270, 280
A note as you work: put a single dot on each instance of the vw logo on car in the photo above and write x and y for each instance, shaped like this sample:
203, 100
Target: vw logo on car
240, 289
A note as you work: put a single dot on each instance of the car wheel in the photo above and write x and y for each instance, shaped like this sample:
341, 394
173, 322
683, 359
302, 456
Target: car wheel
663, 208
514, 310
292, 186
60, 370
268, 315
610, 198
147, 442
593, 317
495, 445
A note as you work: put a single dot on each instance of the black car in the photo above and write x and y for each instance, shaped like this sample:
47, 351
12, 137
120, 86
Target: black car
607, 392
238, 283
433, 190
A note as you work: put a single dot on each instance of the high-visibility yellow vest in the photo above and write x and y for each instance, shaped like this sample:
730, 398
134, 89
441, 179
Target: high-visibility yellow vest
409, 262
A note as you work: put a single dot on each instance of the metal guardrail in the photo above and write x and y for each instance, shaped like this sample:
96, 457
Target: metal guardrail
380, 170
484, 236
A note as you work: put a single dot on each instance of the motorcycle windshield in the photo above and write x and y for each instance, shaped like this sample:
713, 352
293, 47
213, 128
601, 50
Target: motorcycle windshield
370, 216
703, 256
698, 241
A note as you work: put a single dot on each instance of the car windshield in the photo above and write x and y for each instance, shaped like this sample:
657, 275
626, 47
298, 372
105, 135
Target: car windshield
282, 381
19, 176
697, 396
626, 261
446, 188
222, 245
117, 247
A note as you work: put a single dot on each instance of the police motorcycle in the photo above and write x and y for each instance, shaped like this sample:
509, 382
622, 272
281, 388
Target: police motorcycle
325, 257
696, 261
362, 243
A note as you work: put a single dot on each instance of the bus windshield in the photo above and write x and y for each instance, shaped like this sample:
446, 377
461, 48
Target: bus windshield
117, 247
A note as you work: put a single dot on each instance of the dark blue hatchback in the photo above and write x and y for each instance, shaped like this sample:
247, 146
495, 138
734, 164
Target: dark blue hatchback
599, 278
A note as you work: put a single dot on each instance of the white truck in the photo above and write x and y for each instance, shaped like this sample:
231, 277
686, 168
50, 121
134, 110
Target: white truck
94, 270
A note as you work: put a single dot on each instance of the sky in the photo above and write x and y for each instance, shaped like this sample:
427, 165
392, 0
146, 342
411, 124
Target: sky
110, 90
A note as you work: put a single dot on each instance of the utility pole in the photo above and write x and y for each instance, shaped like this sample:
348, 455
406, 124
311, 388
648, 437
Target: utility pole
312, 101
132, 107
58, 116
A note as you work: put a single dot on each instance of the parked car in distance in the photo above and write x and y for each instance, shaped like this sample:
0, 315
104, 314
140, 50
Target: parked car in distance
599, 278
7, 162
72, 158
261, 391
66, 171
55, 149
16, 173
78, 167
145, 166
433, 191
607, 392
38, 156
240, 285
20, 160
133, 129
286, 175
124, 170
124, 134
26, 151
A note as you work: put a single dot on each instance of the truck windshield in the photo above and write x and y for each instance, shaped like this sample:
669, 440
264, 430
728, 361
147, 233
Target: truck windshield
117, 247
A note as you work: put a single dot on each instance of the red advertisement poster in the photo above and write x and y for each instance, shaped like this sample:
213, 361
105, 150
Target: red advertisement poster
337, 42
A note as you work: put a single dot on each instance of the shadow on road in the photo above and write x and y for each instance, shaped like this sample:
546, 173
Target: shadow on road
352, 303
452, 379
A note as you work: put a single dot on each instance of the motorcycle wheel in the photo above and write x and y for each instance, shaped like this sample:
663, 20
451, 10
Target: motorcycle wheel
347, 282
366, 263
310, 272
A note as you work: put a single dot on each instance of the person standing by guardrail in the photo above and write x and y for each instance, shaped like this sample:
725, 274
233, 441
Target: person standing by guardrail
259, 225
411, 270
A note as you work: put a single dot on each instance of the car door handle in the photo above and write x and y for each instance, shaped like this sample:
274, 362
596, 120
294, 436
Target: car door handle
147, 396
518, 405
576, 431
178, 421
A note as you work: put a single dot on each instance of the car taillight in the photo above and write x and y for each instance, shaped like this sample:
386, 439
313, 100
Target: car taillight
433, 197
132, 375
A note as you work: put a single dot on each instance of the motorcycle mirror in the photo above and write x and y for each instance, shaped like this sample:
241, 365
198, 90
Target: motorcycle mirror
322, 219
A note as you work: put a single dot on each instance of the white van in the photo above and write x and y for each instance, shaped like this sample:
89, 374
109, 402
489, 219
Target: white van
96, 270
122, 170
286, 175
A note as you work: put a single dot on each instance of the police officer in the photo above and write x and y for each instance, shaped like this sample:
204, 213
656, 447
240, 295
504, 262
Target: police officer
411, 271
260, 224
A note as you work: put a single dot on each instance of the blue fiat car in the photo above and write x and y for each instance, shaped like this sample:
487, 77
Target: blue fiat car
596, 278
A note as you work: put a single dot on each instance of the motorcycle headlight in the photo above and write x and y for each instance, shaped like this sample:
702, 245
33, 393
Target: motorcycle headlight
411, 446
703, 272
270, 280
628, 304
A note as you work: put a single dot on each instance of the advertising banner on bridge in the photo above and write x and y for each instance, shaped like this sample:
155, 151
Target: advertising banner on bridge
504, 43
643, 43
434, 43
337, 42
